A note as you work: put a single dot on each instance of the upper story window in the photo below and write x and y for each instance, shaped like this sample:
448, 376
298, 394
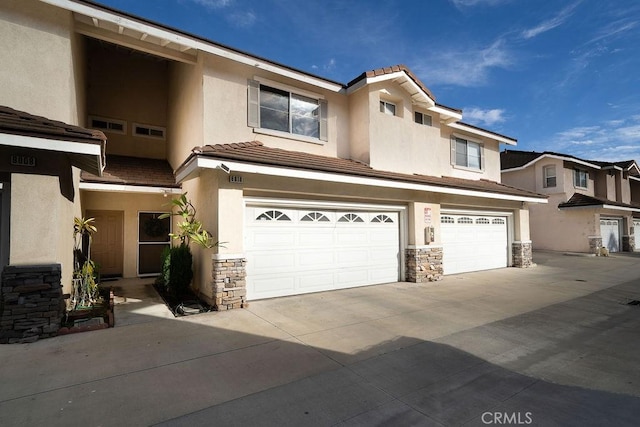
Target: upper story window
467, 154
421, 118
580, 178
549, 176
284, 111
387, 107
149, 131
108, 125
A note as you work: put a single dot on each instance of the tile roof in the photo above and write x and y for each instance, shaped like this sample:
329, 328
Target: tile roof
582, 200
510, 159
124, 170
391, 70
256, 153
21, 123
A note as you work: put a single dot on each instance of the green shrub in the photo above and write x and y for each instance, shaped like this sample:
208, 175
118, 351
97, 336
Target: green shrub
177, 270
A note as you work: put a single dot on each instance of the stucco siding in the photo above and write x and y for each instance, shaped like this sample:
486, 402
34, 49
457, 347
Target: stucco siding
225, 110
37, 71
185, 111
132, 87
130, 204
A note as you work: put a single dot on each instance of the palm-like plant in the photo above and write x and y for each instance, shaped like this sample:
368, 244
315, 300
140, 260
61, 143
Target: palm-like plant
85, 289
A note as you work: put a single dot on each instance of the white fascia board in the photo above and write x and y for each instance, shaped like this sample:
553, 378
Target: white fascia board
552, 156
123, 188
350, 179
185, 41
405, 78
486, 134
635, 178
50, 144
445, 112
621, 208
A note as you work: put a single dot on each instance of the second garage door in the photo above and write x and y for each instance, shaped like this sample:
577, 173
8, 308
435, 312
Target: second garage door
296, 251
473, 242
610, 232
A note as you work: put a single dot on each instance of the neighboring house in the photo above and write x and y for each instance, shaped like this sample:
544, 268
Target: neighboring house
592, 204
313, 184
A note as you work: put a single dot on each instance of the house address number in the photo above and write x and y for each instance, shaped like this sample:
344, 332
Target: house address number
18, 160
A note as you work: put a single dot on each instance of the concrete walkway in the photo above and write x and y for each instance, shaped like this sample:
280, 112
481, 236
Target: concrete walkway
553, 345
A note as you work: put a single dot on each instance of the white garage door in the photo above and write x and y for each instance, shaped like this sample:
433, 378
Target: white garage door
296, 251
610, 232
473, 242
636, 229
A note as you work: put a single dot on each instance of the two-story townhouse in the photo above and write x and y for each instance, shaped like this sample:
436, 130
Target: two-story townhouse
592, 204
312, 184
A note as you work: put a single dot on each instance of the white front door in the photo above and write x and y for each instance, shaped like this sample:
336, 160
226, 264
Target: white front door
473, 242
296, 251
636, 230
610, 232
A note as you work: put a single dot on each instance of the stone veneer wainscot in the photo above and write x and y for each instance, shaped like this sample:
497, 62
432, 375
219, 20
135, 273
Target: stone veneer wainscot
229, 282
423, 264
522, 254
32, 304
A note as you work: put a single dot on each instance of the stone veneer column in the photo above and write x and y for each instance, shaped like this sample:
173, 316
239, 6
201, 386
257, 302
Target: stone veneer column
629, 243
31, 303
522, 254
229, 282
423, 264
595, 243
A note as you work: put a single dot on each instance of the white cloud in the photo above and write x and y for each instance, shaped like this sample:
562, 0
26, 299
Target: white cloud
214, 4
242, 19
483, 117
551, 23
469, 3
466, 68
612, 140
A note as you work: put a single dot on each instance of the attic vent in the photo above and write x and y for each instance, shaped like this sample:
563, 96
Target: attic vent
108, 125
148, 131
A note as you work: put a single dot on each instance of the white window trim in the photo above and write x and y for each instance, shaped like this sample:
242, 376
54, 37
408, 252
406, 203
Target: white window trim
142, 125
108, 120
575, 174
423, 116
288, 135
545, 177
291, 89
482, 155
168, 242
395, 108
323, 135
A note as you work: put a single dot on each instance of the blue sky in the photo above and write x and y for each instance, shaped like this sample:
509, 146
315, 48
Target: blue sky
557, 75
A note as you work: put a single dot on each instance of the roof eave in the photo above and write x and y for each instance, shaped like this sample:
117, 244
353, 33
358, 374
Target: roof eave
191, 169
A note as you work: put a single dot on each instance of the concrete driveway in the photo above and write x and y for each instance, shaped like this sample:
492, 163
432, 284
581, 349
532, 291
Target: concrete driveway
553, 345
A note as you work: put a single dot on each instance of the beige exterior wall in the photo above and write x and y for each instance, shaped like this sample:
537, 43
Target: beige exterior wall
625, 189
130, 204
562, 230
225, 110
359, 129
41, 230
132, 87
398, 144
634, 190
39, 68
185, 111
570, 188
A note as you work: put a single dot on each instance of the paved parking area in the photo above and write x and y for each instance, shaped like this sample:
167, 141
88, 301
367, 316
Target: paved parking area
553, 345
